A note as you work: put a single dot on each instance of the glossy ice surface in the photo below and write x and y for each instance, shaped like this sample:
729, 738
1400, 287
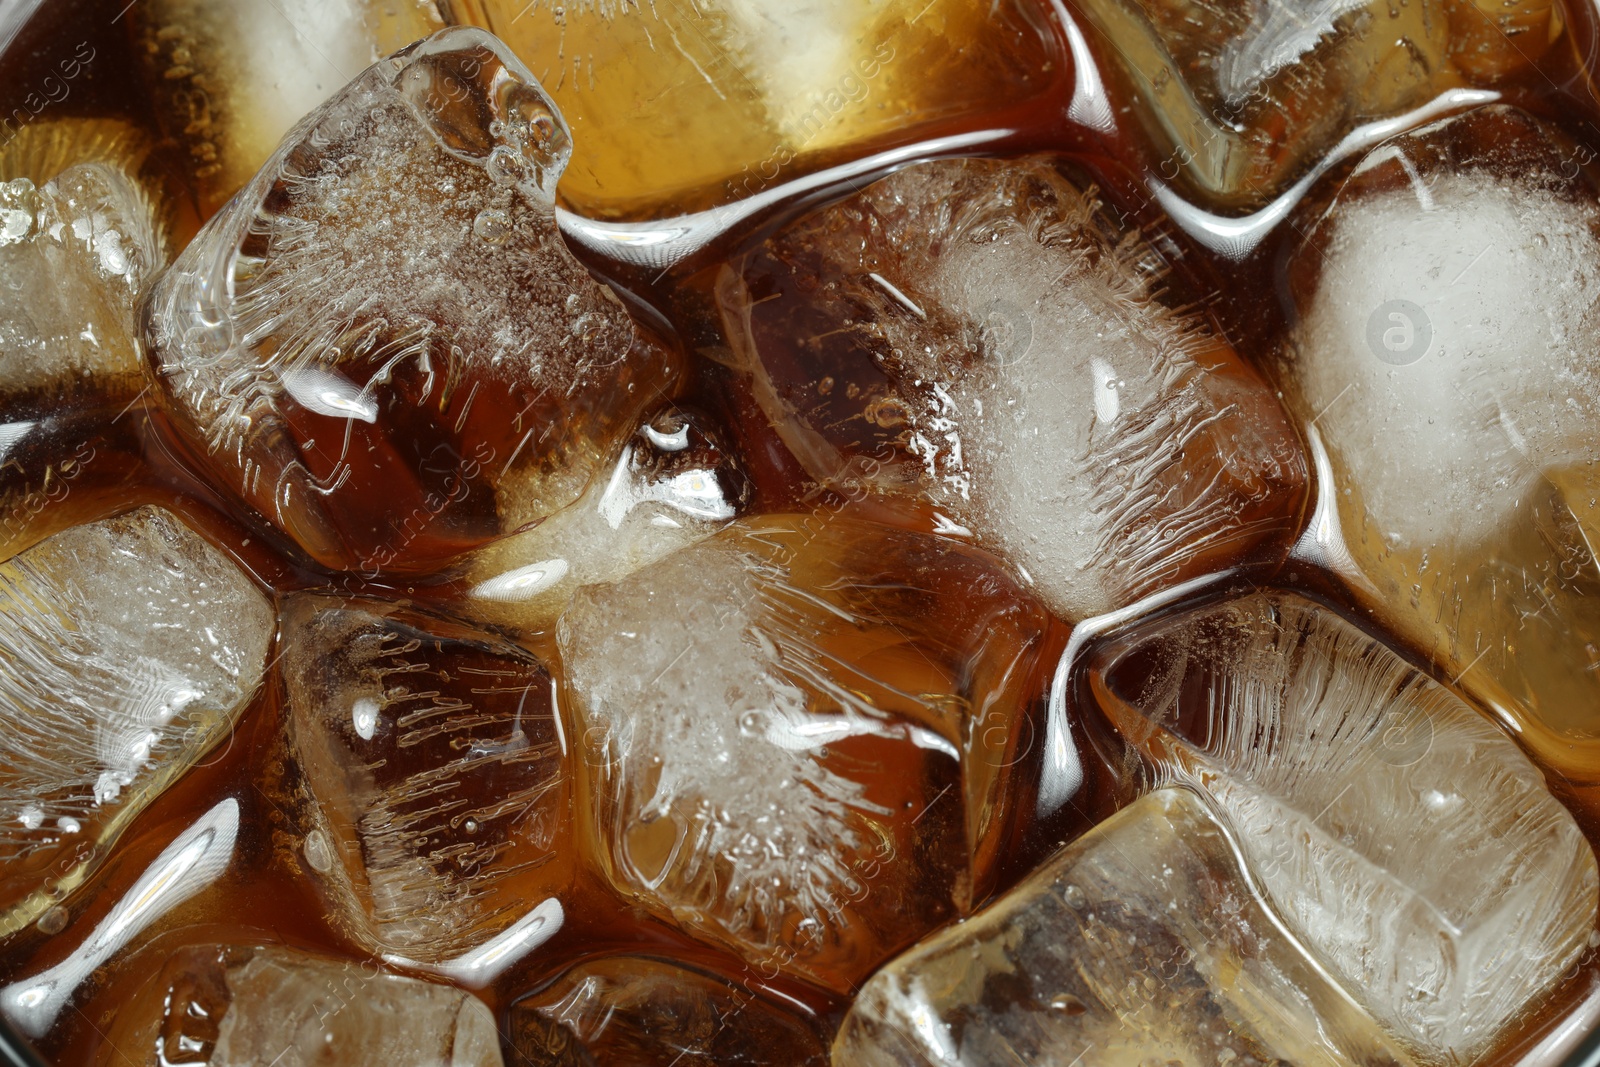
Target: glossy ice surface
389, 301
720, 99
978, 333
1404, 839
640, 1011
1448, 320
1239, 99
784, 750
244, 1006
771, 532
230, 77
130, 647
1143, 939
438, 803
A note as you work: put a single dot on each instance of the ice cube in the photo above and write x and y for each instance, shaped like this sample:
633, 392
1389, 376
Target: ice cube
637, 1010
231, 1005
75, 251
382, 343
1404, 839
1443, 352
128, 647
929, 335
673, 484
229, 79
1142, 942
680, 106
801, 737
74, 256
1238, 100
437, 809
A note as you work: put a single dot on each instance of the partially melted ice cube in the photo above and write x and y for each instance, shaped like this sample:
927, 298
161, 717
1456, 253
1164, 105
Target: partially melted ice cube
382, 344
801, 735
438, 812
1142, 942
1404, 839
129, 647
976, 333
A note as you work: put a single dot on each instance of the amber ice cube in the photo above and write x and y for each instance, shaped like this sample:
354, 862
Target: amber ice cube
1443, 355
1401, 836
230, 77
647, 1012
1141, 942
130, 647
801, 737
435, 800
1238, 100
222, 1005
976, 333
382, 344
684, 105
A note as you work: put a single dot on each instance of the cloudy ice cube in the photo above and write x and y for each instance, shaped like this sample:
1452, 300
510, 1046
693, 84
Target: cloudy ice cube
1241, 97
673, 484
1141, 942
232, 1005
802, 736
434, 766
78, 242
976, 333
75, 254
624, 1009
1402, 836
128, 648
1448, 304
684, 105
230, 78
389, 304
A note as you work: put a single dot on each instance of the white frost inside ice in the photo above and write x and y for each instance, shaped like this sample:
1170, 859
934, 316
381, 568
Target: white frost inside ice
1507, 277
1406, 839
129, 647
74, 255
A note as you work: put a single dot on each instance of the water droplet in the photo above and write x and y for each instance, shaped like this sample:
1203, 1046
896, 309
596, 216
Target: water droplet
53, 921
492, 225
1066, 1002
318, 854
1074, 897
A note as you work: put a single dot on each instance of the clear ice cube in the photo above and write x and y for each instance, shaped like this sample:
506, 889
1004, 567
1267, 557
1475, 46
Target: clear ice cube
438, 810
1142, 942
638, 1010
128, 647
801, 737
673, 484
230, 77
1446, 305
242, 1005
382, 343
684, 105
977, 333
1404, 839
1239, 99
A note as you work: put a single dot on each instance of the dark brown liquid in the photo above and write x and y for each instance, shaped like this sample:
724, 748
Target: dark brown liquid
265, 896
